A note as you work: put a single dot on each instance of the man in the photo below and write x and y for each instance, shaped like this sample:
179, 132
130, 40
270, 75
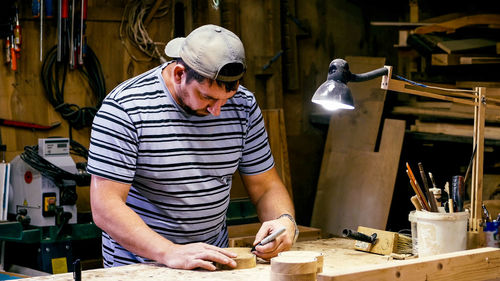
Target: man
164, 147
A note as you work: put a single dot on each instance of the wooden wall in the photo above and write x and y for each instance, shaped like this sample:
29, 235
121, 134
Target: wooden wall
310, 34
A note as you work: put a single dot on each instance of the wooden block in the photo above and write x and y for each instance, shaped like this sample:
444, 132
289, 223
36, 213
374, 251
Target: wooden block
471, 265
317, 255
385, 244
293, 277
445, 59
245, 259
293, 265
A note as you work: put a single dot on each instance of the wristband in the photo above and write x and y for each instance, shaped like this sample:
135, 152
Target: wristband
290, 217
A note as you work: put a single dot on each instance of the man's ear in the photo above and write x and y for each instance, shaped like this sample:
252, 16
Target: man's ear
179, 71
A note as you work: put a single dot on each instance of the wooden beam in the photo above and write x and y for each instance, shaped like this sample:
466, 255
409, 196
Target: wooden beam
452, 25
470, 265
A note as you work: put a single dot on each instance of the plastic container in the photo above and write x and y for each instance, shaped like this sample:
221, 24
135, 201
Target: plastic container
414, 234
440, 233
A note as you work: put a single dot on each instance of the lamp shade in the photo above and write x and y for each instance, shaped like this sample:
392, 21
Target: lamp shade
333, 94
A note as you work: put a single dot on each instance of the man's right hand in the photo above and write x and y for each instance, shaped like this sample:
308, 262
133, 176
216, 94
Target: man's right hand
197, 255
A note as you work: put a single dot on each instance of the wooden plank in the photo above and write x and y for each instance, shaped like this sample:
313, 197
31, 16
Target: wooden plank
451, 25
354, 182
453, 129
471, 265
453, 46
479, 60
445, 59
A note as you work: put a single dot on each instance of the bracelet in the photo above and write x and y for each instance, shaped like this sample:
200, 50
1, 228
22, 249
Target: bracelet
290, 217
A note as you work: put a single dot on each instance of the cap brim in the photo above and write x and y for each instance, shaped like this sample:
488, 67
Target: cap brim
173, 47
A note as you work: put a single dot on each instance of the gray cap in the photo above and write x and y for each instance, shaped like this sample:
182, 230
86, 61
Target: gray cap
207, 49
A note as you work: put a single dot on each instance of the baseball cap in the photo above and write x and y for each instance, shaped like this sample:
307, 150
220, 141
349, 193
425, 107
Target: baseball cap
207, 49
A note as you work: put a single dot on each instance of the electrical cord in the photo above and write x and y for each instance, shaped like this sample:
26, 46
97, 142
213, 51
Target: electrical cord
134, 14
51, 171
54, 78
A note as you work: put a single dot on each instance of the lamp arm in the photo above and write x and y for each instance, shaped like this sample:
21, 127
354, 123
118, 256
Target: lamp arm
369, 75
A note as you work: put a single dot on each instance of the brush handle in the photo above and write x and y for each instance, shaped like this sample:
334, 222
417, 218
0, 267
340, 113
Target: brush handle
359, 236
430, 197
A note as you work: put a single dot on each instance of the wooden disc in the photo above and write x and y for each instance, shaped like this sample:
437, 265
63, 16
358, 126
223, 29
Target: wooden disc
244, 259
293, 265
317, 255
293, 277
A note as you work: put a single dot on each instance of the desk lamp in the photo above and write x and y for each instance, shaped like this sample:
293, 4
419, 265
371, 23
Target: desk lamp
334, 94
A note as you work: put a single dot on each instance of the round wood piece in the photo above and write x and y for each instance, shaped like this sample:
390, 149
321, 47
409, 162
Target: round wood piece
314, 254
245, 259
292, 277
293, 265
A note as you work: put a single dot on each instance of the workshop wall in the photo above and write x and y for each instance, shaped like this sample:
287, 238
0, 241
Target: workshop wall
289, 44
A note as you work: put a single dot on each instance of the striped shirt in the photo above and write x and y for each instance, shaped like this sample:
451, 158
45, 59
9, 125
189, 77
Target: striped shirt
179, 166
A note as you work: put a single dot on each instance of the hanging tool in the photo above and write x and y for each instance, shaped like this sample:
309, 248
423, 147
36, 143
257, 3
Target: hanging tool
83, 40
13, 57
7, 50
17, 32
72, 37
35, 8
41, 30
59, 31
27, 125
62, 44
49, 9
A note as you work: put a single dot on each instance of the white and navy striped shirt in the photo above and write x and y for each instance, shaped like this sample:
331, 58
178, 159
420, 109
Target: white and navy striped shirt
179, 166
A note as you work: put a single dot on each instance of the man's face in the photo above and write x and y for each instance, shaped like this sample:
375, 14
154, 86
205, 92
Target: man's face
201, 99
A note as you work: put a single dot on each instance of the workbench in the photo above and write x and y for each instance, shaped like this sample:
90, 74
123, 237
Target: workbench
341, 262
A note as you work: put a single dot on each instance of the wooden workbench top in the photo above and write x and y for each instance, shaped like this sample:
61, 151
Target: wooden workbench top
337, 252
339, 256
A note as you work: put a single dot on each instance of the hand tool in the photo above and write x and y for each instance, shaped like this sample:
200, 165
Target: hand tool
59, 31
430, 196
17, 32
458, 192
77, 270
41, 30
83, 19
269, 238
72, 37
349, 233
35, 8
13, 57
63, 43
49, 11
27, 125
7, 50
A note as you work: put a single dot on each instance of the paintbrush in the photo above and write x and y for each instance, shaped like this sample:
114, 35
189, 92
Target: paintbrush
430, 196
387, 242
417, 189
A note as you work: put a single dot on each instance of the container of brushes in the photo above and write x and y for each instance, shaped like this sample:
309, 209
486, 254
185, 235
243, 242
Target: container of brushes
440, 233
